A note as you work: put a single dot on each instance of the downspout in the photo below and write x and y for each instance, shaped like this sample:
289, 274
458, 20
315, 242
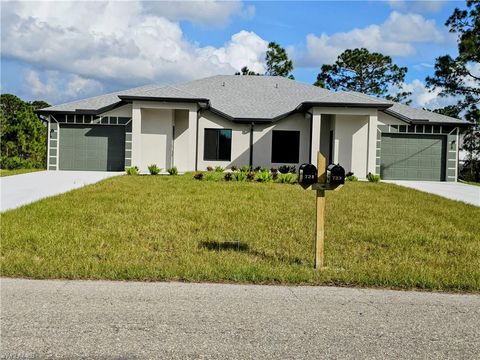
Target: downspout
252, 125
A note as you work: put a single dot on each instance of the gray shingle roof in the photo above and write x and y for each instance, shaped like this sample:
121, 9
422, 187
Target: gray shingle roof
252, 97
419, 115
97, 102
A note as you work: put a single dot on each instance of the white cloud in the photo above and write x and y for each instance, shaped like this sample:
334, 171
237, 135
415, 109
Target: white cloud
118, 43
54, 86
244, 48
423, 97
394, 37
36, 86
208, 13
418, 6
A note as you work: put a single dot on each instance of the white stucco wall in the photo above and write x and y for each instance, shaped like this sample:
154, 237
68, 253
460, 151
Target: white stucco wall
122, 111
385, 119
240, 140
156, 138
326, 126
181, 145
262, 140
351, 143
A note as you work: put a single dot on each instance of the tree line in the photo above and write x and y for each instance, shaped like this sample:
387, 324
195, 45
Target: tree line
23, 136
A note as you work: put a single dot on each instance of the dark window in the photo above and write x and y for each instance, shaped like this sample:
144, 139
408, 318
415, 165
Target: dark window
217, 144
285, 146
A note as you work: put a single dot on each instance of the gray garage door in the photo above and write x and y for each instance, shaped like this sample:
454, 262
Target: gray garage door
92, 147
413, 157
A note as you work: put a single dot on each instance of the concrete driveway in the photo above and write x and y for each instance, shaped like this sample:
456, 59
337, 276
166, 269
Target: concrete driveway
469, 194
132, 320
18, 190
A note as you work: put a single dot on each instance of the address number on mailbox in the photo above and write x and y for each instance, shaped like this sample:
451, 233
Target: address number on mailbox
307, 174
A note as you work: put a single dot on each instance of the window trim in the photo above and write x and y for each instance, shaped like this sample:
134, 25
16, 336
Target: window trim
298, 132
218, 133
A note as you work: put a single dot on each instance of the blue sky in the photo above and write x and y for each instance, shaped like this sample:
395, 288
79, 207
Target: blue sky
50, 52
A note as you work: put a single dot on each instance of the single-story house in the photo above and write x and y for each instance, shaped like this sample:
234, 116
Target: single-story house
251, 120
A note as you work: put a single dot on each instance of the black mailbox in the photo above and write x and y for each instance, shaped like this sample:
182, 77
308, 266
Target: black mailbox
335, 174
307, 174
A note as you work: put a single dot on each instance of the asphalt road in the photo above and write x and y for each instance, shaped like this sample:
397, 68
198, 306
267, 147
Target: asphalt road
110, 320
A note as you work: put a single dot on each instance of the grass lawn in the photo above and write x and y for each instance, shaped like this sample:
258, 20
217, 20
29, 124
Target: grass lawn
5, 172
177, 228
471, 183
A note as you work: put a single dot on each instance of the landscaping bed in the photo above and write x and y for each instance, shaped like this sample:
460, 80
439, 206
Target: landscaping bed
178, 228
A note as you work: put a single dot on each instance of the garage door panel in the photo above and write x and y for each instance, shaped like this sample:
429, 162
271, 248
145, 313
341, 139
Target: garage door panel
92, 147
413, 157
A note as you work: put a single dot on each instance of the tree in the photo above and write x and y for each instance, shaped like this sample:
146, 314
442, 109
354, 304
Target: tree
365, 72
450, 110
246, 71
22, 134
278, 63
457, 77
39, 104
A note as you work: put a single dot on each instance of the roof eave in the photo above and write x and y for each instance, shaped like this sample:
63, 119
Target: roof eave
398, 116
425, 121
246, 120
130, 98
81, 111
309, 104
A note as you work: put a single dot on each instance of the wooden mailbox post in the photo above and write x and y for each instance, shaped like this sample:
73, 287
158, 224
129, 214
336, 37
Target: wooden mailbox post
321, 186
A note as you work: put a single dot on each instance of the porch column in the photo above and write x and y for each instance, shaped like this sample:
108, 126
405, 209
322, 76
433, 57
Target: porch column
192, 140
316, 126
136, 155
372, 144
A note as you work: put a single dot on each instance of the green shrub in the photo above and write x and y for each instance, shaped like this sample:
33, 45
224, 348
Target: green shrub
132, 170
210, 168
245, 168
234, 168
470, 171
154, 169
240, 176
15, 162
264, 176
287, 178
228, 176
373, 178
219, 169
198, 175
173, 170
351, 178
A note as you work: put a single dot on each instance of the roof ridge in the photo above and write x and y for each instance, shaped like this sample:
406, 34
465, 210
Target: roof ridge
361, 95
